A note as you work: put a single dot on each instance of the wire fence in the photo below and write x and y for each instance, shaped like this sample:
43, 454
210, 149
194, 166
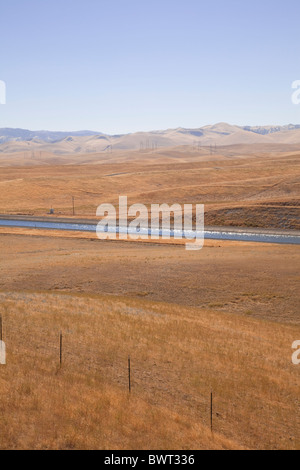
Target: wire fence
160, 384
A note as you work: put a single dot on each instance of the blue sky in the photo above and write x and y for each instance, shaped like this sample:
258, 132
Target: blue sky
120, 66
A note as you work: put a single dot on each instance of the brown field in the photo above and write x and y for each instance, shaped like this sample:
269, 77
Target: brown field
256, 280
222, 319
249, 189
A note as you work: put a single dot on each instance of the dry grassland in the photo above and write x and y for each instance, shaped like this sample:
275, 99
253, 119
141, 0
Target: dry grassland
178, 356
221, 319
244, 278
249, 190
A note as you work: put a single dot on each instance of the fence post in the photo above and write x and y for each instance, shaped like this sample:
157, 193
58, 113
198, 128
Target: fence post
60, 348
129, 374
211, 411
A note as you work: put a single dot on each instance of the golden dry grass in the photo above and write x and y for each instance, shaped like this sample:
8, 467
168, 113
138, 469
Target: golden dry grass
222, 319
251, 279
248, 190
178, 355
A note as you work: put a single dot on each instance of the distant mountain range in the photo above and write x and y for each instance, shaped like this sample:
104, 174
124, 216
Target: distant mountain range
22, 135
222, 134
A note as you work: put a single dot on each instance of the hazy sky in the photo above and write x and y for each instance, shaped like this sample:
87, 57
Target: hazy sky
125, 65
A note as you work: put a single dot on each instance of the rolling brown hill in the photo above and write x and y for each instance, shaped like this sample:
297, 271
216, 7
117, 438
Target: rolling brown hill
212, 137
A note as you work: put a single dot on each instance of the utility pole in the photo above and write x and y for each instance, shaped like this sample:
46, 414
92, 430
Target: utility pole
73, 201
